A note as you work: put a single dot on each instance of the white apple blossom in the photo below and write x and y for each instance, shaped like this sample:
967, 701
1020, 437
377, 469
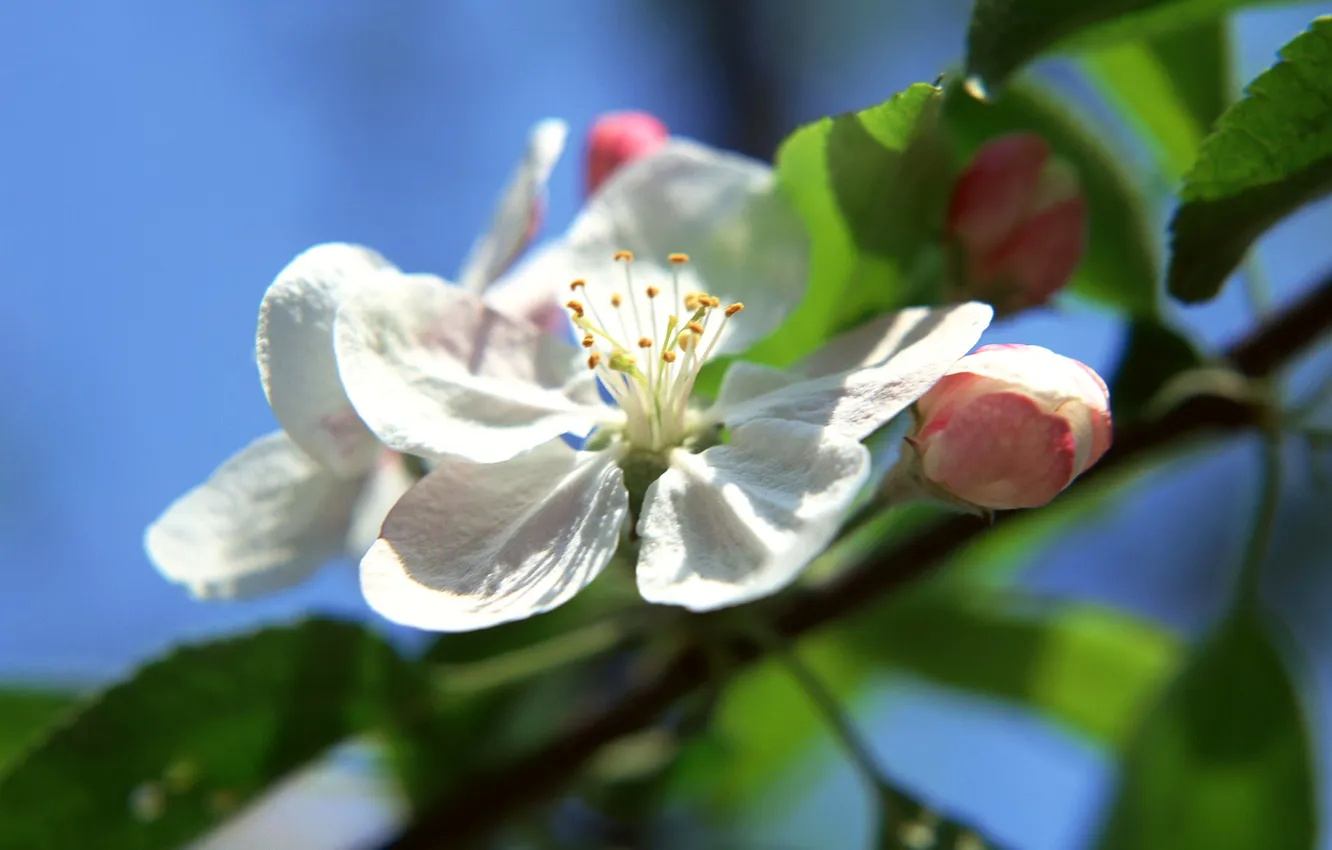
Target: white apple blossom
295, 498
736, 497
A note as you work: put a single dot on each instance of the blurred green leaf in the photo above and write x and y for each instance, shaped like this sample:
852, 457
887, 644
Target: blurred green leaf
164, 756
1091, 669
1171, 87
1271, 153
1224, 761
1152, 354
1120, 267
870, 187
1004, 35
24, 715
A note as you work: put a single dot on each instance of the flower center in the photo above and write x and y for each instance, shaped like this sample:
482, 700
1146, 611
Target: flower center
648, 346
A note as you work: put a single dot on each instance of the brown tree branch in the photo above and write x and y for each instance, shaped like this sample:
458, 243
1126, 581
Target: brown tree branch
490, 798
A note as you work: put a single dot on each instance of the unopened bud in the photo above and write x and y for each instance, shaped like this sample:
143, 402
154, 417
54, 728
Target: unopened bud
1009, 426
1017, 224
618, 138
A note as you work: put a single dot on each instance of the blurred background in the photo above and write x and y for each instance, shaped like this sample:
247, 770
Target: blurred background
162, 161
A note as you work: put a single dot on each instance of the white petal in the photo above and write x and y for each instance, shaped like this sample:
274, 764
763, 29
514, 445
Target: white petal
384, 486
744, 241
536, 289
434, 371
744, 380
294, 346
740, 520
915, 349
264, 520
519, 207
473, 545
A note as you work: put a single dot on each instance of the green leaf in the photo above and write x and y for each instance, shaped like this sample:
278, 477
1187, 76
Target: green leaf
1270, 154
1088, 668
1199, 62
1153, 353
1120, 266
1224, 761
161, 758
24, 714
871, 188
1171, 88
1004, 35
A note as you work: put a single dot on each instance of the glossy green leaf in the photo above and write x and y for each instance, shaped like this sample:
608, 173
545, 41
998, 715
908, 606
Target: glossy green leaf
1090, 669
1120, 266
870, 187
1171, 88
1223, 763
1271, 153
1153, 353
1004, 35
164, 756
24, 715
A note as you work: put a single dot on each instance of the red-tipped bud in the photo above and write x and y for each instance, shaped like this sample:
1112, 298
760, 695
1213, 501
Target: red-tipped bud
1009, 426
618, 138
1018, 222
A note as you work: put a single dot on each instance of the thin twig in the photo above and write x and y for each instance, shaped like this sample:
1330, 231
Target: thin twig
1264, 517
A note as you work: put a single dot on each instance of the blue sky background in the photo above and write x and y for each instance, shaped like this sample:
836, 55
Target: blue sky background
162, 161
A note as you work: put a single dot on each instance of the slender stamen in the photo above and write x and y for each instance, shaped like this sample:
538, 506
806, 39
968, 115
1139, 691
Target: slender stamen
653, 392
726, 315
633, 302
652, 293
676, 261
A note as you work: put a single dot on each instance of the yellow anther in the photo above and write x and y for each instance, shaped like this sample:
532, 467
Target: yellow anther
734, 308
696, 328
625, 256
682, 342
678, 259
668, 356
691, 301
653, 292
709, 300
644, 342
616, 300
577, 284
587, 341
576, 307
593, 359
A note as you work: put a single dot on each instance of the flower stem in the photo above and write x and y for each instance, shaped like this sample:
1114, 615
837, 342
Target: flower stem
827, 704
1264, 518
902, 823
565, 648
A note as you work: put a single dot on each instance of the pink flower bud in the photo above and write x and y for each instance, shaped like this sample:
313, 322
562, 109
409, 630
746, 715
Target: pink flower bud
1018, 220
618, 138
1009, 426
